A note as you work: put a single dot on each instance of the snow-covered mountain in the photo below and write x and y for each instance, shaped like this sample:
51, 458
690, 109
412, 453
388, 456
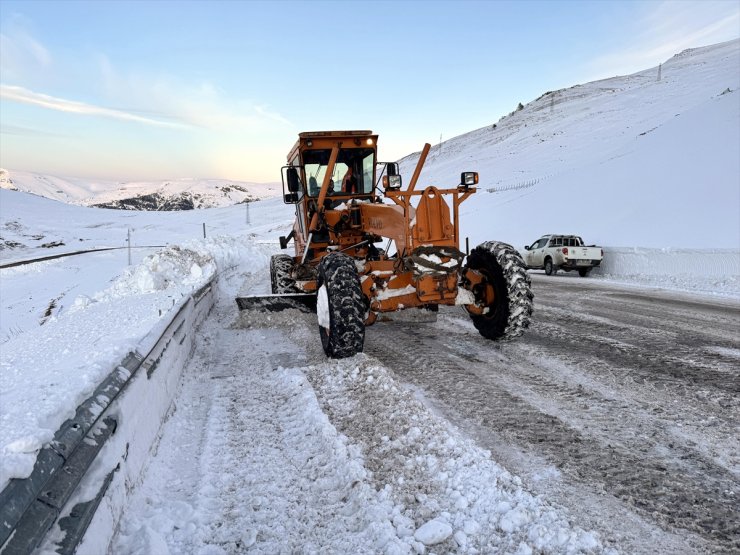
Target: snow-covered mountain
179, 194
645, 160
650, 159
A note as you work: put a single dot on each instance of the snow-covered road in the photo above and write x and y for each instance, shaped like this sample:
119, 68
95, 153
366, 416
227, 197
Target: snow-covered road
275, 449
618, 412
619, 403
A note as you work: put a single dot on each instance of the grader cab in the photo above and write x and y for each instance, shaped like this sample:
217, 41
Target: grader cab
361, 252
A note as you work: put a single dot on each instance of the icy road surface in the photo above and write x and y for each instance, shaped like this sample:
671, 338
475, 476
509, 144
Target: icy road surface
618, 410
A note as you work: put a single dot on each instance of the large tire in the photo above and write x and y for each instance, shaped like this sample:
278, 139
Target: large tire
510, 313
583, 272
340, 307
280, 274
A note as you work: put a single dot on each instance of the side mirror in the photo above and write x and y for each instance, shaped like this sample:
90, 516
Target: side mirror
294, 183
527, 248
392, 168
392, 182
290, 198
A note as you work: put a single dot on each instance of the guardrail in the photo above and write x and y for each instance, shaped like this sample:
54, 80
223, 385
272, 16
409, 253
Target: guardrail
30, 507
16, 263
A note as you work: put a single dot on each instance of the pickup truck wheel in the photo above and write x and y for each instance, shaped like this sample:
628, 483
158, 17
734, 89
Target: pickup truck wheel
583, 272
503, 268
340, 307
549, 269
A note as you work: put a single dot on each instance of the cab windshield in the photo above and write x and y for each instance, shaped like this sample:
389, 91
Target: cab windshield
353, 171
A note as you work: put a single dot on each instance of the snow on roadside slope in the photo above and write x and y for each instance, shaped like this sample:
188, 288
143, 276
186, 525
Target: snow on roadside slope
47, 371
703, 271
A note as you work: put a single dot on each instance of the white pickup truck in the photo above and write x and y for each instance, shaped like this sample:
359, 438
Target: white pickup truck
562, 252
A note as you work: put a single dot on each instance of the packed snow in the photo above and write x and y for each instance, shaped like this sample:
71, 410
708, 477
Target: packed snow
649, 169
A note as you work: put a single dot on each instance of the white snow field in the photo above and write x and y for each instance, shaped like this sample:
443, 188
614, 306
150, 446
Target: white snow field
647, 168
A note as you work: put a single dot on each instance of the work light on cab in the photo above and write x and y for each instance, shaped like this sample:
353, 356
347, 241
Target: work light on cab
468, 179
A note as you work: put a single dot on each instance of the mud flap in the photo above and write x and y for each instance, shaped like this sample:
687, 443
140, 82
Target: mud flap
305, 302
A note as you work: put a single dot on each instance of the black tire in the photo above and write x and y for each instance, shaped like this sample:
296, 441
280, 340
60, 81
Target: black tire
549, 268
280, 271
511, 311
340, 301
583, 272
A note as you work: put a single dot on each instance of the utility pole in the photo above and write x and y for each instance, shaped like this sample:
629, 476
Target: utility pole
128, 241
247, 203
660, 71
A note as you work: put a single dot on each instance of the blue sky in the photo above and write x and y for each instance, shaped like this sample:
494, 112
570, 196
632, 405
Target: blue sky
166, 89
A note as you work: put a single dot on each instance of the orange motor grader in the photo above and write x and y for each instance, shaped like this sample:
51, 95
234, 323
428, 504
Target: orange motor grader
361, 252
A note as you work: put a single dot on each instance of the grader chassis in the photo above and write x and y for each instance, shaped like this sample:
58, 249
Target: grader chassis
341, 215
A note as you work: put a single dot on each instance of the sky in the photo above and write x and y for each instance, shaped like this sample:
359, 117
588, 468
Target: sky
163, 90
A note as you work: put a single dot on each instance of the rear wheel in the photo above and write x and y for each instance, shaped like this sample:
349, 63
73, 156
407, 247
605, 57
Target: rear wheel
503, 268
583, 272
280, 274
340, 307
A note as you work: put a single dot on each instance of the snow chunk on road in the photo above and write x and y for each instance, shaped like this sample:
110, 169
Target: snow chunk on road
433, 532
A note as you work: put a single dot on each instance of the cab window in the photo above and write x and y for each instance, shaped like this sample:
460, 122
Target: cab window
361, 160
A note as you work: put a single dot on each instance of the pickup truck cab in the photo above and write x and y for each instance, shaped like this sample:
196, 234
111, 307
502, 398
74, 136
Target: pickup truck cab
562, 252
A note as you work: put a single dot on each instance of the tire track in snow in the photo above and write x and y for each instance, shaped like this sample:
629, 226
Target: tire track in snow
606, 438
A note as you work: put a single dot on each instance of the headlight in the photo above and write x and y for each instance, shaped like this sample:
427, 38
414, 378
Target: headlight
468, 179
392, 182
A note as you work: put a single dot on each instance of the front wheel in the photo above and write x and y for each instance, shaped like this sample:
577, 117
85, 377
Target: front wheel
280, 274
340, 307
549, 268
513, 302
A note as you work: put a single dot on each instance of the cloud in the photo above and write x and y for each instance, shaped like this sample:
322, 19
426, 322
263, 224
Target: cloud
669, 28
265, 112
199, 104
25, 131
21, 55
25, 96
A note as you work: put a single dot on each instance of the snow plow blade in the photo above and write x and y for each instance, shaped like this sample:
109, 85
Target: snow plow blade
305, 302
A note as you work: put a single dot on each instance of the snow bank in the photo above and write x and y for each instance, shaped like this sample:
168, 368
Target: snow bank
46, 372
702, 270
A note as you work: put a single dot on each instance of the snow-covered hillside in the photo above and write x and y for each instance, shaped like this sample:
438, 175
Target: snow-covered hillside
177, 194
650, 159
